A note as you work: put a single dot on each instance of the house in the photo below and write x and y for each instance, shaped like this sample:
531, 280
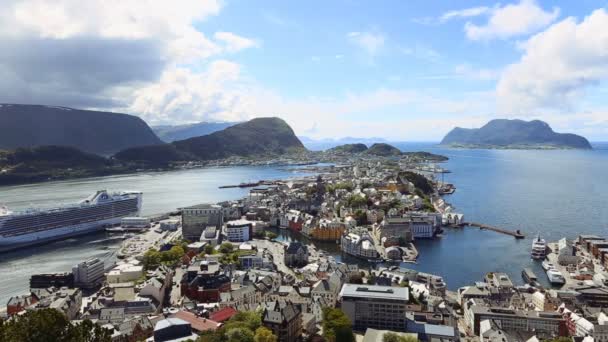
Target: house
296, 254
196, 218
19, 303
173, 329
204, 283
284, 319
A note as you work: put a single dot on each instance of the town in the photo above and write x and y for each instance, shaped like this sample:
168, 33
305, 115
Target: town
222, 272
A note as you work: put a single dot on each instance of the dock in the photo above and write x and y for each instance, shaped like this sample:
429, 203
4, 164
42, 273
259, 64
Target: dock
516, 234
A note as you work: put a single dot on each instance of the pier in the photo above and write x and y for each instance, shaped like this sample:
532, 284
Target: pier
516, 234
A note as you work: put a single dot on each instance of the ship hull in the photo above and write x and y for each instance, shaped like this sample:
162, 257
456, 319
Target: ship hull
39, 238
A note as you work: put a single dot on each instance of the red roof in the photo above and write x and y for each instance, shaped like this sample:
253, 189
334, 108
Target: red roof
223, 314
198, 323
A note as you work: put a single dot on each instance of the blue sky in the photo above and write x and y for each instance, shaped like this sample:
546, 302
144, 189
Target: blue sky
403, 70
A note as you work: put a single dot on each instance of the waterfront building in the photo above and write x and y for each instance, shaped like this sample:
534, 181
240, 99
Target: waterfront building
43, 281
328, 230
65, 300
89, 273
394, 230
169, 225
19, 303
125, 272
296, 254
359, 245
284, 319
196, 218
239, 230
373, 306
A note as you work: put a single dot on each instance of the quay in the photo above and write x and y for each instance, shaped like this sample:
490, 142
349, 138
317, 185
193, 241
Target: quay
517, 234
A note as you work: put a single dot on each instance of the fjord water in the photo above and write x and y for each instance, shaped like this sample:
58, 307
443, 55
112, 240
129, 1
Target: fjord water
556, 193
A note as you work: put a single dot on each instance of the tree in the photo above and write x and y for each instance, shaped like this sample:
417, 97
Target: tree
209, 249
239, 335
151, 259
393, 337
271, 235
337, 326
226, 248
263, 334
50, 325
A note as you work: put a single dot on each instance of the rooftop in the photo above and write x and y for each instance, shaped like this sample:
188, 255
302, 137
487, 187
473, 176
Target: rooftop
374, 291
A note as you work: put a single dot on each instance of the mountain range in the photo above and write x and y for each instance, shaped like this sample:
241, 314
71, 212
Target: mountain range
519, 134
96, 132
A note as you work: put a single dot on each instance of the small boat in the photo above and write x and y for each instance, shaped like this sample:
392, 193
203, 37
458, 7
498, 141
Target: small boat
539, 248
547, 265
556, 277
115, 230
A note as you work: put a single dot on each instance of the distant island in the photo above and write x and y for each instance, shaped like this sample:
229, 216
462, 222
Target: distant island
513, 134
103, 133
381, 150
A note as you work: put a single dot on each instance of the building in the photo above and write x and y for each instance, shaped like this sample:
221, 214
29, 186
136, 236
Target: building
359, 245
173, 329
43, 281
19, 303
239, 230
394, 231
169, 225
88, 274
296, 254
211, 236
205, 282
284, 319
373, 306
327, 230
551, 323
196, 218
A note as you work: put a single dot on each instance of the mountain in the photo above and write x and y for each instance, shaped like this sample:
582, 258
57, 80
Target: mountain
502, 133
90, 131
257, 137
35, 164
181, 132
348, 148
384, 150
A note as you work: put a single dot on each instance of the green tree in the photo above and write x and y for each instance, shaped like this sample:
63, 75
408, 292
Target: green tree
271, 235
209, 249
239, 335
226, 248
393, 337
50, 325
263, 334
337, 327
152, 259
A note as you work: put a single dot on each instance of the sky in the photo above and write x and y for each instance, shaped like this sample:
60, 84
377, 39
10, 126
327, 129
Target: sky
401, 70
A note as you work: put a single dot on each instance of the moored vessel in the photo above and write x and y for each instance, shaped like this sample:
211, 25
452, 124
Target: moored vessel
37, 226
539, 248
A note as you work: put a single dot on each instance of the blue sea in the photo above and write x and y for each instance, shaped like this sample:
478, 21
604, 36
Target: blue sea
554, 193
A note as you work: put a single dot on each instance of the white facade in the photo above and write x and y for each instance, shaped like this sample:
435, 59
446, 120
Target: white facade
88, 273
239, 231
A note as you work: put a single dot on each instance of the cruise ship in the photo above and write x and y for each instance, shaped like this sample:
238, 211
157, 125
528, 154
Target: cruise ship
37, 226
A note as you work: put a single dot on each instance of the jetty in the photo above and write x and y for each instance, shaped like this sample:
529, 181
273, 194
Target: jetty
516, 234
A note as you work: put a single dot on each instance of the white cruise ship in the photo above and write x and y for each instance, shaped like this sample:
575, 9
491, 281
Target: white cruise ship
37, 226
539, 248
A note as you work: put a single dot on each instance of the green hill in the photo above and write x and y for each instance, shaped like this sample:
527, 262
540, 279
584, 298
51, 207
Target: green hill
254, 138
348, 148
383, 150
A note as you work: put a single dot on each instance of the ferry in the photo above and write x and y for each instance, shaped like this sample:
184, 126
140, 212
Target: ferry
539, 248
547, 265
529, 277
556, 277
94, 213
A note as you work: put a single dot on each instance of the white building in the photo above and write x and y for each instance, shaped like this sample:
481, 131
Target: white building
125, 272
359, 246
239, 230
88, 273
377, 307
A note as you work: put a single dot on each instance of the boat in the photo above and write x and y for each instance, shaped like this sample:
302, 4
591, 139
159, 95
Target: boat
529, 277
547, 265
539, 248
115, 230
555, 277
38, 226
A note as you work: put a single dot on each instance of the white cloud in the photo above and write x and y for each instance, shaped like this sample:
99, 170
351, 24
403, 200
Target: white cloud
234, 43
464, 13
557, 65
512, 20
372, 43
